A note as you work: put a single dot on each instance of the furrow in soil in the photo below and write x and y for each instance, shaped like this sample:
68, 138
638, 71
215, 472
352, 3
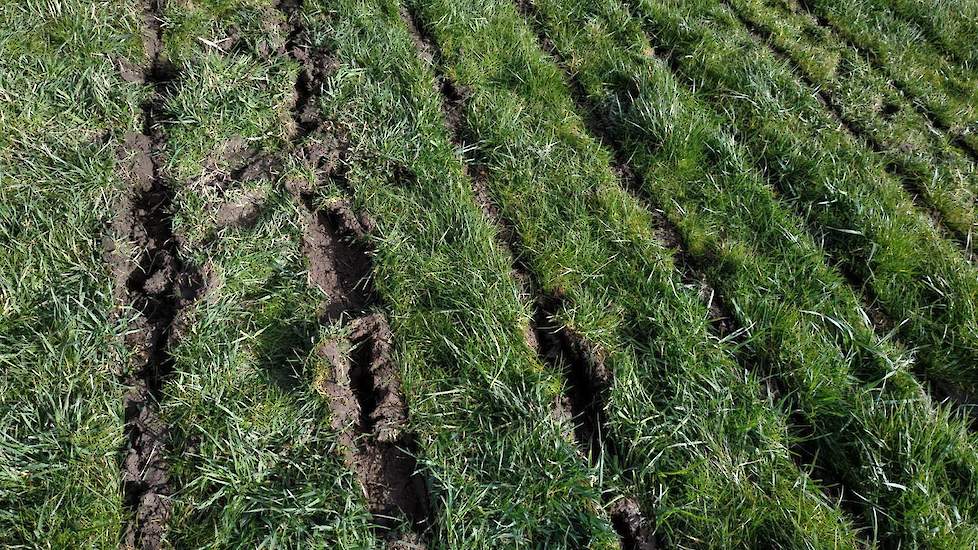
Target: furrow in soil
361, 383
152, 280
724, 324
586, 378
831, 107
874, 59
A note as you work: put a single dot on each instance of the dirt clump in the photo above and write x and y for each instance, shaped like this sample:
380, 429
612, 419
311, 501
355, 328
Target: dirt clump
626, 516
368, 411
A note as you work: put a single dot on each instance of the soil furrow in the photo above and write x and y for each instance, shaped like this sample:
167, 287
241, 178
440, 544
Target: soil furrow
882, 322
954, 137
803, 6
361, 383
723, 321
586, 378
152, 280
858, 133
666, 231
370, 415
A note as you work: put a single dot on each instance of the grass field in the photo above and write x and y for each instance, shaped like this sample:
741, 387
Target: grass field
488, 274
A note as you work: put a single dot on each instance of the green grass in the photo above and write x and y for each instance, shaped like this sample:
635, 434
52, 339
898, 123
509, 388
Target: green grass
950, 25
64, 109
924, 158
857, 212
253, 458
768, 194
241, 397
720, 469
872, 424
949, 92
253, 455
503, 471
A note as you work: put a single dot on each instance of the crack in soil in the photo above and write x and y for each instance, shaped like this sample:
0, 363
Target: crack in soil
370, 415
155, 282
362, 384
582, 364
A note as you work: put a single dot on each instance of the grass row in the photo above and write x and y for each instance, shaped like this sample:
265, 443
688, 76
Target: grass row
951, 25
502, 468
866, 100
858, 213
64, 109
242, 398
945, 90
253, 458
694, 441
911, 465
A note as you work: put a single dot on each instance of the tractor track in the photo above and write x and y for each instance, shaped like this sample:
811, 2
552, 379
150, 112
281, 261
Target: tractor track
880, 320
586, 378
723, 322
362, 383
151, 279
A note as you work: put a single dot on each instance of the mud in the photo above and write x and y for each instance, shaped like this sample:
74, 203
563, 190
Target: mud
242, 213
151, 279
337, 260
361, 385
626, 517
370, 415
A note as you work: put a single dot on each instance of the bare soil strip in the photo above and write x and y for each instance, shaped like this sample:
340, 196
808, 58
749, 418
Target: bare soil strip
370, 415
587, 379
369, 412
158, 285
874, 59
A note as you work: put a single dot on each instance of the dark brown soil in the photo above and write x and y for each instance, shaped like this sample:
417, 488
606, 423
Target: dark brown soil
337, 260
242, 212
362, 383
370, 415
150, 278
626, 516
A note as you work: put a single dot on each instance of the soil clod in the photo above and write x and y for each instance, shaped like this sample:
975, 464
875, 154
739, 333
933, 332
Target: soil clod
626, 516
370, 415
